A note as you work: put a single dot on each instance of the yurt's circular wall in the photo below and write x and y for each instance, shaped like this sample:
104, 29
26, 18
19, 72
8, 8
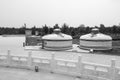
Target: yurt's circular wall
57, 41
96, 41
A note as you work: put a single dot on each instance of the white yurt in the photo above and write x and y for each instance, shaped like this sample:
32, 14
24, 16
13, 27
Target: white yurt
96, 41
57, 41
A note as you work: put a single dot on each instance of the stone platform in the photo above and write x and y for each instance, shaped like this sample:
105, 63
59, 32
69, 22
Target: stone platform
74, 49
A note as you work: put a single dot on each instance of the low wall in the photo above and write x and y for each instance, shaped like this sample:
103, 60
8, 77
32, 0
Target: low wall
78, 69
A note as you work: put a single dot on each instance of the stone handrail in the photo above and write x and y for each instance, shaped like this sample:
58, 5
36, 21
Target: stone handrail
82, 69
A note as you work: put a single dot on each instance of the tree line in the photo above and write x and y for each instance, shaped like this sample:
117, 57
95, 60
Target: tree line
75, 32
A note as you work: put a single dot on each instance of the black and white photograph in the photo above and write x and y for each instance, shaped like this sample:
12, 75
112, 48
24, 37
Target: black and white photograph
59, 39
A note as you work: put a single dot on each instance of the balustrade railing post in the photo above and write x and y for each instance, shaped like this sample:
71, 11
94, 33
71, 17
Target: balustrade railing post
8, 58
53, 62
30, 59
112, 69
80, 65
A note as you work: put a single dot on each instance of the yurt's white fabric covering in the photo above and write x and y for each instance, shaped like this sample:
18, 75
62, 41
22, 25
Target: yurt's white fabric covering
57, 41
96, 41
59, 36
98, 36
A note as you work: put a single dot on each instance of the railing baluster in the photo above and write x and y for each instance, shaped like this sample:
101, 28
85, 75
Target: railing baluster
30, 59
8, 58
113, 70
53, 62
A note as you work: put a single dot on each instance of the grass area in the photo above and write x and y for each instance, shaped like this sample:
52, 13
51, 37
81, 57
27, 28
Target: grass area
116, 48
76, 41
114, 51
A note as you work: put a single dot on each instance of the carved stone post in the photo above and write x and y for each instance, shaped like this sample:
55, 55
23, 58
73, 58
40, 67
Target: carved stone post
30, 59
80, 65
113, 70
8, 58
53, 62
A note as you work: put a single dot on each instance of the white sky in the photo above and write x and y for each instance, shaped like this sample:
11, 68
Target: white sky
14, 13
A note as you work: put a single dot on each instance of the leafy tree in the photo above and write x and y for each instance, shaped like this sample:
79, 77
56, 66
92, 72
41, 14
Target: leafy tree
75, 32
102, 28
56, 26
33, 30
50, 30
45, 30
65, 29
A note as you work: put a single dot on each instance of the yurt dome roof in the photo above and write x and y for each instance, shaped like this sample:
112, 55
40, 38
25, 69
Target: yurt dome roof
57, 35
95, 35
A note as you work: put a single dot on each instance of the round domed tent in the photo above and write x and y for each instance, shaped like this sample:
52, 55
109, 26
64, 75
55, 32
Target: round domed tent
57, 41
96, 41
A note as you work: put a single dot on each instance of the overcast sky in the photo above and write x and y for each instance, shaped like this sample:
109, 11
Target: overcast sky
14, 13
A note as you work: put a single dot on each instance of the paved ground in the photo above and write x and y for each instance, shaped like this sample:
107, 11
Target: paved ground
21, 74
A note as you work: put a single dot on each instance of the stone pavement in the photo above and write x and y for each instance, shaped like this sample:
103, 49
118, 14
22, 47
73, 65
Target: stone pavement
22, 74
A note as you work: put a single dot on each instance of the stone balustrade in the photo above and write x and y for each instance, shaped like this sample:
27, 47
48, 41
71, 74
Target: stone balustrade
74, 68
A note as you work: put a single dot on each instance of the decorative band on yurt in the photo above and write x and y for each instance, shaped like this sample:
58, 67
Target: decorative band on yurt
58, 48
95, 40
57, 40
95, 47
57, 44
96, 44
